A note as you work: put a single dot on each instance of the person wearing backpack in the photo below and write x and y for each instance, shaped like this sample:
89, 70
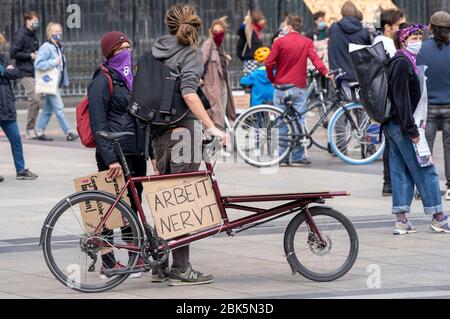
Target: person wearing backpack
8, 115
435, 54
108, 96
402, 132
181, 53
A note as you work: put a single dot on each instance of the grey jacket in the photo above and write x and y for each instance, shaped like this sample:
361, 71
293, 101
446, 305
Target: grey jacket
177, 56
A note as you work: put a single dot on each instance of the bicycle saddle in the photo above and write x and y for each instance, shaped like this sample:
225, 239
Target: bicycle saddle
284, 87
113, 136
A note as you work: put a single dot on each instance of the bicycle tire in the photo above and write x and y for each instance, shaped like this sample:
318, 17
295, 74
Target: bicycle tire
296, 263
241, 129
335, 149
56, 213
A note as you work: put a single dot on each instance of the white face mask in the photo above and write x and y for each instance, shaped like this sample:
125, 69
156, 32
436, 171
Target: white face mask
414, 47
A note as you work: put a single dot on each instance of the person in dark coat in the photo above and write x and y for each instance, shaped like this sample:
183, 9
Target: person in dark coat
348, 30
109, 113
24, 49
250, 40
8, 115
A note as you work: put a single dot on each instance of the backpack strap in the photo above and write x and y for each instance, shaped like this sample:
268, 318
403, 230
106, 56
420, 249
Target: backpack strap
105, 71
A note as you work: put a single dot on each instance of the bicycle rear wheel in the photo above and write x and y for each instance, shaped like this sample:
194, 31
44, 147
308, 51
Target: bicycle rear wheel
354, 137
309, 257
263, 136
76, 257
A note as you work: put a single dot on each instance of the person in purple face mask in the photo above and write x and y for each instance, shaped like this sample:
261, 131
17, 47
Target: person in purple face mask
109, 113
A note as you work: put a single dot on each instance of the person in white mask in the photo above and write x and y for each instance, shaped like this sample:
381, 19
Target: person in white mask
402, 132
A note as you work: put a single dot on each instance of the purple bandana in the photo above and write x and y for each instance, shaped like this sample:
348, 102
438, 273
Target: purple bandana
122, 64
403, 35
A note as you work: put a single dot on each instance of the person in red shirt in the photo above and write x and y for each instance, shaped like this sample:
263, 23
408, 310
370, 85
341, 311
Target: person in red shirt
287, 65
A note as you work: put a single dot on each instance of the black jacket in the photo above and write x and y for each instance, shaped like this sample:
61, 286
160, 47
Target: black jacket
7, 98
110, 113
406, 95
243, 51
348, 30
24, 43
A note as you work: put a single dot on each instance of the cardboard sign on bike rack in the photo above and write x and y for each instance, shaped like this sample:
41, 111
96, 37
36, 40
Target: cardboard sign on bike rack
91, 212
182, 206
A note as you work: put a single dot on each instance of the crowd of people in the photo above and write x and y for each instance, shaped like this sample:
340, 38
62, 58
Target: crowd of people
271, 70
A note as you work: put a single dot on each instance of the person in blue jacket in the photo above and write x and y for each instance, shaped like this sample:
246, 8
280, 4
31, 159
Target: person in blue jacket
262, 88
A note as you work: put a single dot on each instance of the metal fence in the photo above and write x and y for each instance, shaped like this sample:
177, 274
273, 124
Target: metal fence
143, 21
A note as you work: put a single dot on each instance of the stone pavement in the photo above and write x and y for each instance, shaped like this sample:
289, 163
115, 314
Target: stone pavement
251, 265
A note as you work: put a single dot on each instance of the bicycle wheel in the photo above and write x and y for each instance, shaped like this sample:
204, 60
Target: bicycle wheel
75, 257
306, 253
354, 137
263, 137
314, 122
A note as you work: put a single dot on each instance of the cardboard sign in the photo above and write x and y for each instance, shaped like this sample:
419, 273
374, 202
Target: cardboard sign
332, 8
242, 100
182, 206
92, 213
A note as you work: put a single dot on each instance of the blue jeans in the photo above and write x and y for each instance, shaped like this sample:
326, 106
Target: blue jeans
300, 99
50, 104
406, 172
12, 132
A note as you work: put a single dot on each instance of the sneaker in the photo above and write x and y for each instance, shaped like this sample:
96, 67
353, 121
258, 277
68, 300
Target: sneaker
1, 178
31, 134
447, 194
404, 228
158, 277
305, 161
44, 138
72, 137
189, 278
26, 175
440, 227
139, 266
387, 190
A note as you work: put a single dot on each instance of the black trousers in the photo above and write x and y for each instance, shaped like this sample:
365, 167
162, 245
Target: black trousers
386, 166
138, 168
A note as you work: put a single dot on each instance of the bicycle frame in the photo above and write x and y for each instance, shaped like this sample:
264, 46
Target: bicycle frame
296, 203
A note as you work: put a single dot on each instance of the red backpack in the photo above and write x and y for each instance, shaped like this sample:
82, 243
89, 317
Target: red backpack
83, 120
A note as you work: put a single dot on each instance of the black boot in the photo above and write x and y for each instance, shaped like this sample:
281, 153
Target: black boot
387, 190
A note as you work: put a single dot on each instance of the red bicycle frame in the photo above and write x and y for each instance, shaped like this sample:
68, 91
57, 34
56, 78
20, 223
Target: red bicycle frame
296, 202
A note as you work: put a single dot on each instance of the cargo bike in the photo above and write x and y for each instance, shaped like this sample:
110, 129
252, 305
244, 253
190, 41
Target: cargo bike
320, 243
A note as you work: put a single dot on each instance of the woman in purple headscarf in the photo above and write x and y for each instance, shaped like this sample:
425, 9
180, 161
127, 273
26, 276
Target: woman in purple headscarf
402, 133
109, 93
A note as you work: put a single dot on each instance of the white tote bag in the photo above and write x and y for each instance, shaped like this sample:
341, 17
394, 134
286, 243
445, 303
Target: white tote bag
47, 81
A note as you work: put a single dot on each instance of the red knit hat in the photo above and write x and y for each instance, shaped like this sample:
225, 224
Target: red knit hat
111, 41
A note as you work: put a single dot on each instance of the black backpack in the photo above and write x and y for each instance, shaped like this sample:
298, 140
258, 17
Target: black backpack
156, 98
372, 69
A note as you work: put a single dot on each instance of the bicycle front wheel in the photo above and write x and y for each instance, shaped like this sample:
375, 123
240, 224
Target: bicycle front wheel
308, 255
354, 137
263, 136
80, 260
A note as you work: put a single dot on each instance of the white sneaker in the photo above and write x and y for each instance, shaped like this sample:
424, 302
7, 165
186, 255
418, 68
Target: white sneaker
31, 134
404, 228
440, 227
447, 194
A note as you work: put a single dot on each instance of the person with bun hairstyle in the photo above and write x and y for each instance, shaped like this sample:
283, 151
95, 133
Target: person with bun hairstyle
180, 51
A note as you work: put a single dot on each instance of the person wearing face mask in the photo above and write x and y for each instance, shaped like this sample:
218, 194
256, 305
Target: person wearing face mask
24, 47
50, 55
402, 132
250, 39
320, 31
108, 112
216, 80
